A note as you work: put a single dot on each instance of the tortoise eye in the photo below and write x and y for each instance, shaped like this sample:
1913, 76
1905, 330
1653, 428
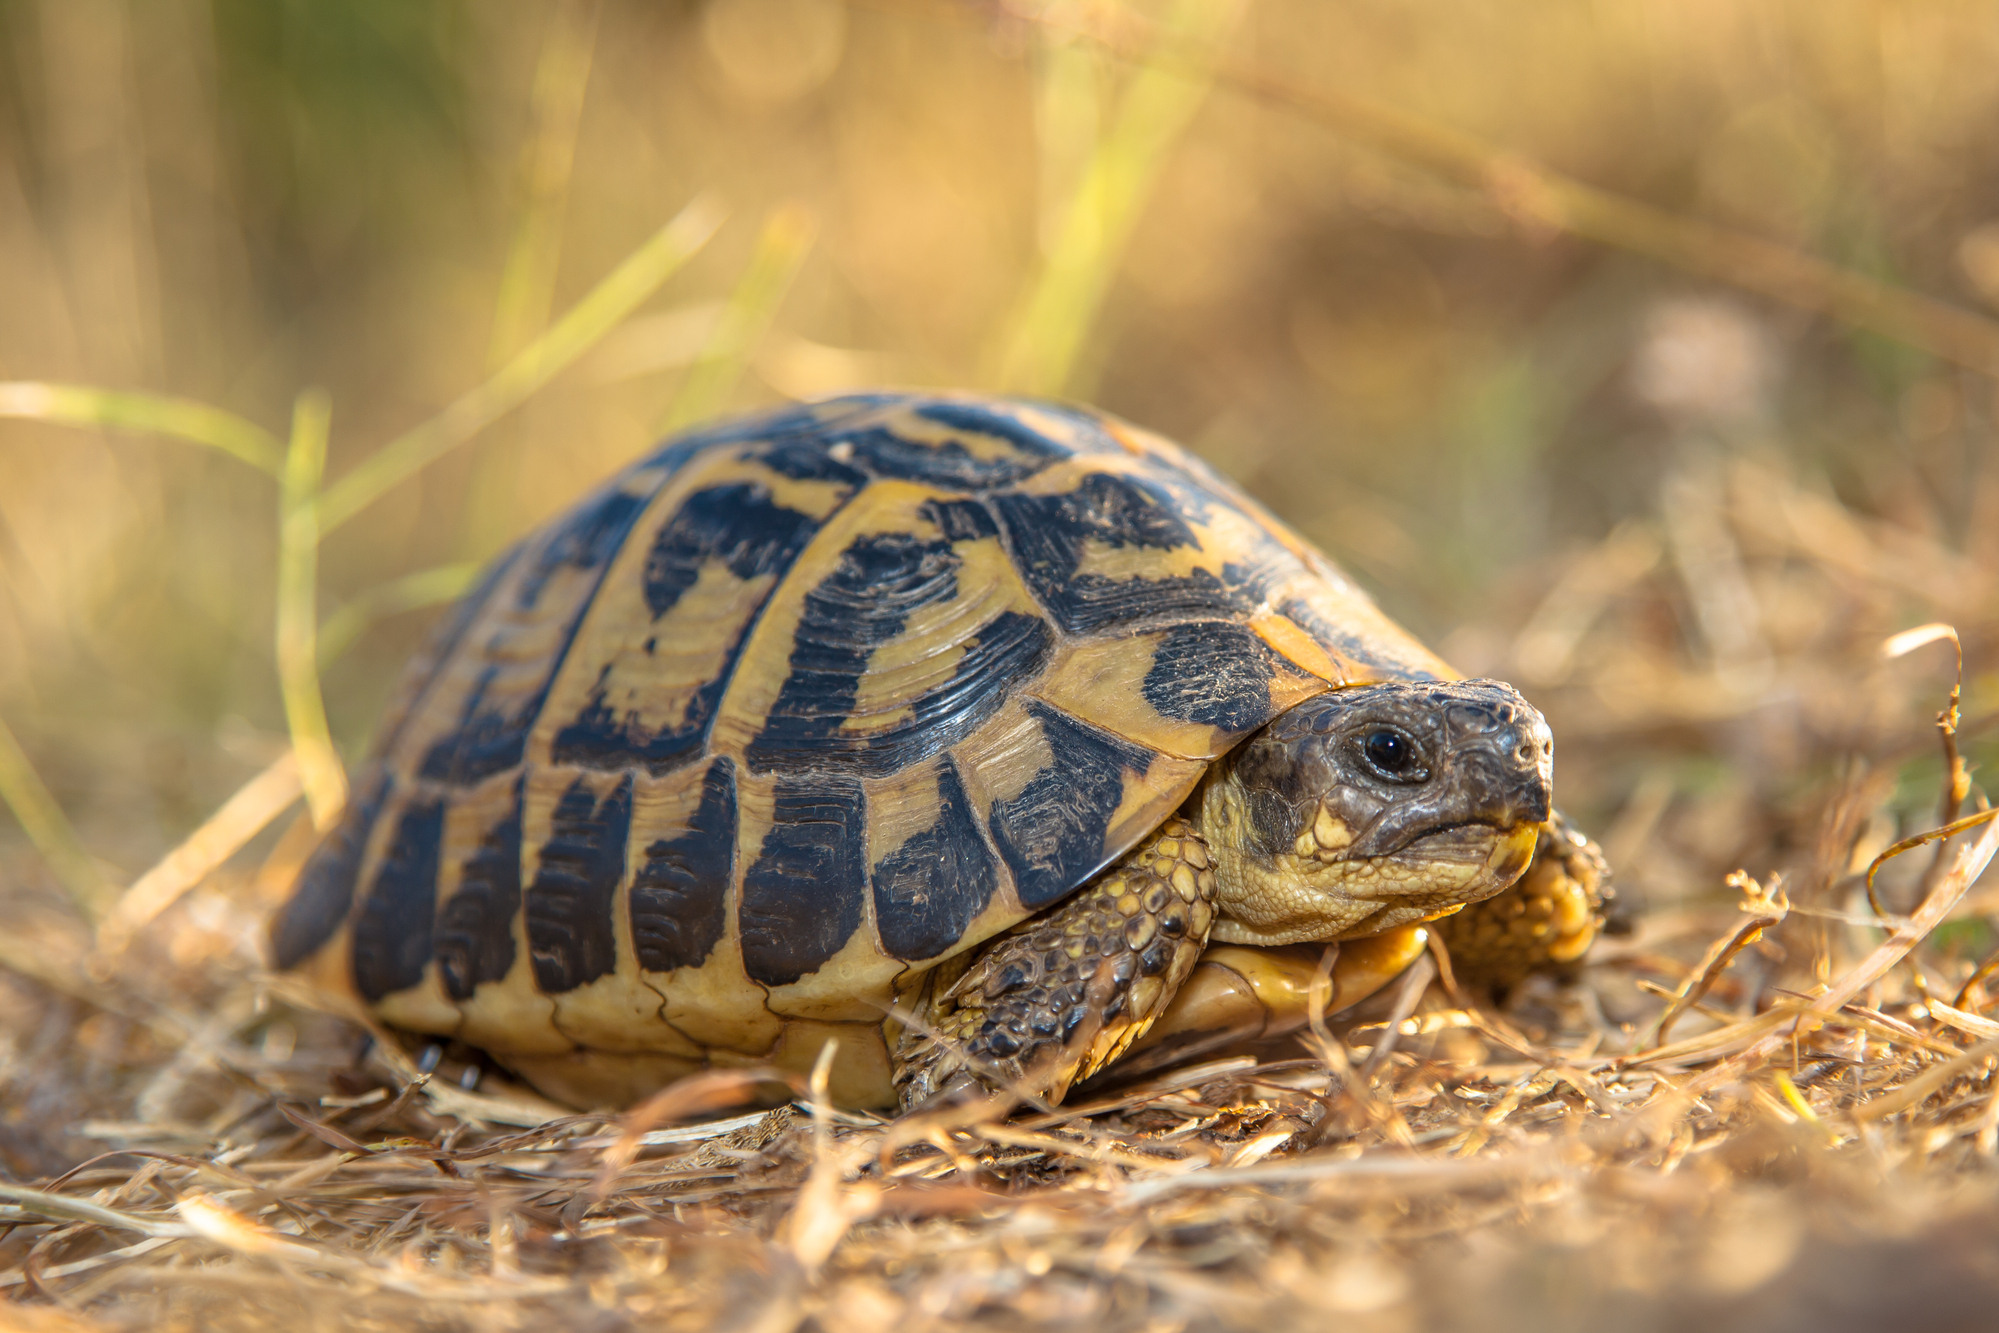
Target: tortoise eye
1390, 752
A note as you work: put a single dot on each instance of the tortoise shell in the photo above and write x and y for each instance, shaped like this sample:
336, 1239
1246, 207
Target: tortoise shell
804, 704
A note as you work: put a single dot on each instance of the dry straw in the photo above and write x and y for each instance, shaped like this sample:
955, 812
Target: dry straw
1807, 1088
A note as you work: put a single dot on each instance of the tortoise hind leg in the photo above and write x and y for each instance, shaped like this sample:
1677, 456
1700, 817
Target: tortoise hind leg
1066, 992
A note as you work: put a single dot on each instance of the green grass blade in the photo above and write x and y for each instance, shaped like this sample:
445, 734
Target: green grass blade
39, 816
426, 587
1046, 335
561, 78
781, 249
320, 772
177, 418
606, 305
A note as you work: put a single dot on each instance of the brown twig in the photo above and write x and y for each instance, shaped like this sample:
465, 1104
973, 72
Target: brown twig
1765, 908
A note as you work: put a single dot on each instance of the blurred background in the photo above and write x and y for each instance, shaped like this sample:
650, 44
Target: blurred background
1680, 514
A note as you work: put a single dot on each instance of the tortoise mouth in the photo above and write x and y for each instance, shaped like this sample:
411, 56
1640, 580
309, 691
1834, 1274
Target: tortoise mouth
1497, 854
1459, 841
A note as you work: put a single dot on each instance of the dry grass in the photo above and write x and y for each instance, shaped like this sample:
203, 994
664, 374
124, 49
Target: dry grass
1684, 522
1814, 1141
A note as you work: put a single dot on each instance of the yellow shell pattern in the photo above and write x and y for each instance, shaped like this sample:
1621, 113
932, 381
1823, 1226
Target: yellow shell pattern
802, 705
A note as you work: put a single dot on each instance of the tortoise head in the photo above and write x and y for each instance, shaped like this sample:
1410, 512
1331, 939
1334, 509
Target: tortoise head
1376, 806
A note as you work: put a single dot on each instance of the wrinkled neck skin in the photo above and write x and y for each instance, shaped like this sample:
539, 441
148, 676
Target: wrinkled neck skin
1374, 807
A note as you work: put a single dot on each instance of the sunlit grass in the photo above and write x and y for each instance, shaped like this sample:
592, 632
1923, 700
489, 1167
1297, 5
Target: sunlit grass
154, 414
306, 512
48, 829
562, 77
601, 310
1040, 344
782, 246
319, 766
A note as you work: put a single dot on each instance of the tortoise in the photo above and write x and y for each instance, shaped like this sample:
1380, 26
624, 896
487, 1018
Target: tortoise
988, 738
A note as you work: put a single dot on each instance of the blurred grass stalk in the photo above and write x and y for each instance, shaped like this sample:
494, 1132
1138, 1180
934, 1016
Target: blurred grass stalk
176, 418
306, 513
561, 78
48, 828
786, 239
1536, 198
319, 767
1040, 344
607, 304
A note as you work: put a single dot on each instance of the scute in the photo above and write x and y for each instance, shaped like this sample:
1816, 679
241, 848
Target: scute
393, 930
802, 895
937, 881
679, 895
475, 926
492, 731
1053, 832
571, 936
801, 703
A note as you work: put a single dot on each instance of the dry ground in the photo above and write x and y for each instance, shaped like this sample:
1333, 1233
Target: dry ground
1812, 1147
1631, 352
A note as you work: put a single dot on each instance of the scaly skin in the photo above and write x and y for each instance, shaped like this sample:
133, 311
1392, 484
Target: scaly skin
1062, 996
1359, 812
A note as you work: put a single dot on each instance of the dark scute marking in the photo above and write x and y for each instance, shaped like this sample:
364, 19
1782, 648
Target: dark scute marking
571, 936
930, 888
679, 898
475, 927
880, 581
1091, 603
1003, 425
587, 539
1216, 673
1105, 507
803, 896
1011, 647
392, 932
805, 458
948, 463
1348, 643
325, 891
738, 525
1049, 534
960, 520
488, 740
1052, 833
491, 739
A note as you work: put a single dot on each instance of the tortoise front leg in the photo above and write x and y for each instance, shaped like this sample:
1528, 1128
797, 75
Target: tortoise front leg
1065, 993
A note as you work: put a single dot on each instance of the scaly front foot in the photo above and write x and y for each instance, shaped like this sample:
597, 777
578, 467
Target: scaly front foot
1063, 994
